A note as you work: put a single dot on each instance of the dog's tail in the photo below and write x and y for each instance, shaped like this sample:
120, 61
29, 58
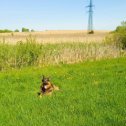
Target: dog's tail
56, 88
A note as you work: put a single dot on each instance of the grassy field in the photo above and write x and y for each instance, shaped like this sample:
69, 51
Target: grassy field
59, 36
91, 94
31, 53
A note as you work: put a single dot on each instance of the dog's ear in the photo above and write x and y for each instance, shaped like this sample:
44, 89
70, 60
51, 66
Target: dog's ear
43, 77
48, 78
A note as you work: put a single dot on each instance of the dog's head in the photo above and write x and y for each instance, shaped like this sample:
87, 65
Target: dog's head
45, 80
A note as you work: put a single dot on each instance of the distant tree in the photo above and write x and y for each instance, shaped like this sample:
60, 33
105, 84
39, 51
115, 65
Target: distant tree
6, 31
32, 30
25, 30
16, 30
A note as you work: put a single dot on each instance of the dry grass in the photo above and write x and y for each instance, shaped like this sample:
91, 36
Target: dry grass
55, 36
31, 53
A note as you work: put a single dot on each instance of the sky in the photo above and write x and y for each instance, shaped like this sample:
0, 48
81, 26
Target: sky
60, 14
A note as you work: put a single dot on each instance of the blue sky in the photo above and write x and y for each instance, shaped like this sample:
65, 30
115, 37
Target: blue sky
60, 14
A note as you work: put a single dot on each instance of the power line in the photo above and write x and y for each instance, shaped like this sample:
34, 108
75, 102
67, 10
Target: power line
90, 18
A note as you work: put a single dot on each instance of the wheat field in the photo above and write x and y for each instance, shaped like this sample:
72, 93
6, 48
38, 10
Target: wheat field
54, 36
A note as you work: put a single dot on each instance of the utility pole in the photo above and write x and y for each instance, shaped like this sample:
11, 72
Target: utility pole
90, 19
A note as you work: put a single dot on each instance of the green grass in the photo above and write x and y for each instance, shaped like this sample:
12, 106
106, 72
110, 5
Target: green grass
91, 94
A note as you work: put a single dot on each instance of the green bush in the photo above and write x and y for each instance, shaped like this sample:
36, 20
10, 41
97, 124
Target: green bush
121, 28
119, 35
25, 30
6, 56
27, 53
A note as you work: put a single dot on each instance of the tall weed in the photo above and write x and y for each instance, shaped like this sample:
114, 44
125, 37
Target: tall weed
32, 53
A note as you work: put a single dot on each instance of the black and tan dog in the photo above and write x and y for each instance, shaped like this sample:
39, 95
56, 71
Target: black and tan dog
47, 87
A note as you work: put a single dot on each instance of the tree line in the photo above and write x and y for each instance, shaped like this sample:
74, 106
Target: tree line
22, 30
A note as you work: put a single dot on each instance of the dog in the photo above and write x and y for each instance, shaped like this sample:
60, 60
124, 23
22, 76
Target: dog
47, 87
